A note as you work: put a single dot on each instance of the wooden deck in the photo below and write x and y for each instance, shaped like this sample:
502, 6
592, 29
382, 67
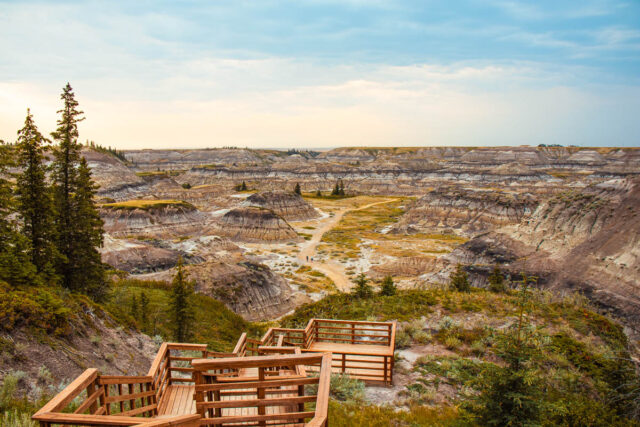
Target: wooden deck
364, 350
261, 383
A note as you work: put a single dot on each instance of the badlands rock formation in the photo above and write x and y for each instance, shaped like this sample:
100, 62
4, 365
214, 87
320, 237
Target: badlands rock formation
587, 241
253, 224
466, 211
287, 204
137, 257
151, 218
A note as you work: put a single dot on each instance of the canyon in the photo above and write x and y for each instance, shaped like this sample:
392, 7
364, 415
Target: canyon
566, 215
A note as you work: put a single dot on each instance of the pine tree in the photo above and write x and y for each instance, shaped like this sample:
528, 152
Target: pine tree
144, 311
297, 189
513, 395
35, 203
88, 272
133, 308
181, 309
460, 279
78, 225
336, 190
496, 280
318, 193
244, 186
66, 159
388, 288
15, 263
362, 288
341, 188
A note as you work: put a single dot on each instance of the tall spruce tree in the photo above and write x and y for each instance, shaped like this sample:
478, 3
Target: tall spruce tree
181, 308
297, 189
78, 226
15, 264
35, 203
87, 269
67, 157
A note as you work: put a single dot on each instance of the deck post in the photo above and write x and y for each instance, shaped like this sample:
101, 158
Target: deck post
344, 362
90, 389
385, 369
261, 395
353, 333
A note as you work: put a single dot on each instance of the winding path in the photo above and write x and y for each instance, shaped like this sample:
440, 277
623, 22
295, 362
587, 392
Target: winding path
332, 269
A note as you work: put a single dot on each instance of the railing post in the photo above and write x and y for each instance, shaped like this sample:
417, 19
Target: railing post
344, 362
353, 333
261, 395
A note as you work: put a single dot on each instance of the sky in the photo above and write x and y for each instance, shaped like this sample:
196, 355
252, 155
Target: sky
325, 73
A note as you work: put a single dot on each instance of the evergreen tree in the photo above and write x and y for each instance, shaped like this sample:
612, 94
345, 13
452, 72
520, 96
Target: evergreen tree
134, 309
341, 188
181, 310
362, 288
244, 186
78, 225
15, 263
66, 159
35, 203
496, 280
144, 311
388, 288
336, 190
297, 189
514, 395
460, 279
88, 271
318, 193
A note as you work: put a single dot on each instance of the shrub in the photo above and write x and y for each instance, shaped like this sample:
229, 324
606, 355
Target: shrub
388, 288
362, 288
460, 280
17, 419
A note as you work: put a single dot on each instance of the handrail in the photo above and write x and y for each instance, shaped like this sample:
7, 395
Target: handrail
70, 392
256, 361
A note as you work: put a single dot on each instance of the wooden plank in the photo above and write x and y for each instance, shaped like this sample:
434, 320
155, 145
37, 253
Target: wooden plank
186, 346
90, 402
162, 351
121, 379
357, 322
257, 361
137, 411
248, 418
122, 397
70, 392
92, 420
248, 403
179, 420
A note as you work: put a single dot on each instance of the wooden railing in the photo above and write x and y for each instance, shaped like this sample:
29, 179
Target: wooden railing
276, 396
107, 400
352, 332
359, 359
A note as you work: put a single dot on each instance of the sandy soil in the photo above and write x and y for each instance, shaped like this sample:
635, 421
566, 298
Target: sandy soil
331, 269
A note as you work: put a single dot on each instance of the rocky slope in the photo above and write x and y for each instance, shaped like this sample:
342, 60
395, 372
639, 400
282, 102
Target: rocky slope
253, 224
48, 359
576, 241
251, 290
151, 218
467, 211
136, 257
289, 205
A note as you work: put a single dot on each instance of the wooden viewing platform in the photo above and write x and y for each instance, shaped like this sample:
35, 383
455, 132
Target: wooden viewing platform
269, 382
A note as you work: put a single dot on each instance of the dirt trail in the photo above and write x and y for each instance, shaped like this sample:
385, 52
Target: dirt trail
332, 269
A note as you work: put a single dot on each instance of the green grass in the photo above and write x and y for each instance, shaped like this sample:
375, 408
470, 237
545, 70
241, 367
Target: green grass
215, 324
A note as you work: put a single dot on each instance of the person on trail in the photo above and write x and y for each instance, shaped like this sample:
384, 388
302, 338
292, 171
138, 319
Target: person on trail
307, 258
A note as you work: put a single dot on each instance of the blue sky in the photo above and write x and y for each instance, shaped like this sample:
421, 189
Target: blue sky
324, 73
